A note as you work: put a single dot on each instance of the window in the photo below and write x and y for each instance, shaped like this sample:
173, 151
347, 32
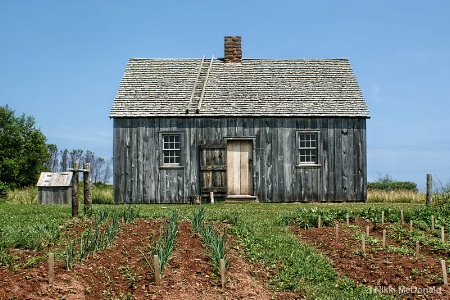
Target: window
171, 149
308, 147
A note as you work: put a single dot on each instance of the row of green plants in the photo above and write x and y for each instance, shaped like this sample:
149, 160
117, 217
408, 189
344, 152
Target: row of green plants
426, 238
164, 246
100, 235
421, 216
214, 241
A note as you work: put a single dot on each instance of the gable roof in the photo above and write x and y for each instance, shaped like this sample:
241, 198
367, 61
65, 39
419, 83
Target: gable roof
252, 88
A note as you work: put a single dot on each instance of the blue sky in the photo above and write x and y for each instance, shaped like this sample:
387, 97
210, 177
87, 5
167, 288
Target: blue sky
62, 61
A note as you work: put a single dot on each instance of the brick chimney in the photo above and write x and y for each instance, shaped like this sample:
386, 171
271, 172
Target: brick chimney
233, 50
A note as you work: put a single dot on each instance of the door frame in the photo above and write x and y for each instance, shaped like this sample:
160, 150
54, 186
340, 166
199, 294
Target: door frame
251, 139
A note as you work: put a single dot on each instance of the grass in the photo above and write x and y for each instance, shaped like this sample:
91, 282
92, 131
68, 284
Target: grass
400, 196
31, 227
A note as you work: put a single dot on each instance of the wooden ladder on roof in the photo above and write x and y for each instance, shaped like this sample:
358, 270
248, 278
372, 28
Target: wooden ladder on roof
199, 88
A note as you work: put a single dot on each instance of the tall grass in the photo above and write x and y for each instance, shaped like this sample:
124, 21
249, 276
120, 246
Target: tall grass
22, 196
102, 194
398, 196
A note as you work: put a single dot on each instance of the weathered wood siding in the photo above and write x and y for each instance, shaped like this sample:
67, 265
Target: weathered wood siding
54, 195
139, 178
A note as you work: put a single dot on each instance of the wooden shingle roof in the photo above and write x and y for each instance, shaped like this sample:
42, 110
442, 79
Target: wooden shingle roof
48, 179
252, 88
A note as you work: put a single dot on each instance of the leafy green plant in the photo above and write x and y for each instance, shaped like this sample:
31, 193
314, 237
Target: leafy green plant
5, 257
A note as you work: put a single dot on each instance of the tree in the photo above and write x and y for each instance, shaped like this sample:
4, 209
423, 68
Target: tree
53, 161
23, 150
62, 161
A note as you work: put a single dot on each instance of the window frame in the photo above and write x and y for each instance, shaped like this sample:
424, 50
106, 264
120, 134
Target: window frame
298, 134
162, 150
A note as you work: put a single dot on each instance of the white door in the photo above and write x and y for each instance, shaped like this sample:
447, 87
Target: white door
240, 168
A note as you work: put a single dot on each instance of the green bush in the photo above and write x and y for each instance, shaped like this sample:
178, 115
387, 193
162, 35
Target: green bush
386, 183
3, 189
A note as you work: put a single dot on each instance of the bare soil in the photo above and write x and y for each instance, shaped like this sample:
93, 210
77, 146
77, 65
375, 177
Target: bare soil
121, 272
385, 270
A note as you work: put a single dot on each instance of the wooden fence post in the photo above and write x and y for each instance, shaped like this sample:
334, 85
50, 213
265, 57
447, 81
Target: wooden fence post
87, 187
157, 270
429, 189
444, 272
384, 238
75, 181
51, 268
222, 272
363, 243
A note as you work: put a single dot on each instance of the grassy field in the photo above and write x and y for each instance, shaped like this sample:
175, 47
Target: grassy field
261, 229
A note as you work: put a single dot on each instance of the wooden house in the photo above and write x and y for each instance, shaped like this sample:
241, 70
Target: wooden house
55, 188
272, 130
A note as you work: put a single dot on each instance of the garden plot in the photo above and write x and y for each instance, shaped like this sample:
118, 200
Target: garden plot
395, 269
121, 272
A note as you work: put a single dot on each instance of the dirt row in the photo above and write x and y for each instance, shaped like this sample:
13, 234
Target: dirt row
387, 271
120, 272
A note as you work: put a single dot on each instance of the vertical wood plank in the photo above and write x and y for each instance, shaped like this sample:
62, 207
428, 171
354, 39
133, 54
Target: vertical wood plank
331, 174
244, 167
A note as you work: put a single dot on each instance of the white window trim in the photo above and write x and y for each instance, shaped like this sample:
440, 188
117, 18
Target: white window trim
164, 165
297, 148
